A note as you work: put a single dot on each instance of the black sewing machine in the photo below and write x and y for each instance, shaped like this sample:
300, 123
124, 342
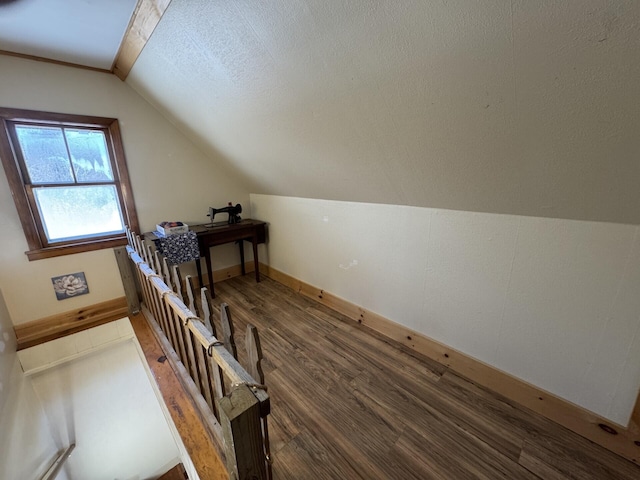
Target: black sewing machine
234, 213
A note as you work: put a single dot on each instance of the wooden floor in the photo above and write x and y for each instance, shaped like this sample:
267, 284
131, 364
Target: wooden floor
346, 404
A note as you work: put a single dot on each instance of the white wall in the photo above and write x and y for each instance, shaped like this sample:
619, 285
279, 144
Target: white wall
90, 388
96, 393
171, 180
27, 447
553, 302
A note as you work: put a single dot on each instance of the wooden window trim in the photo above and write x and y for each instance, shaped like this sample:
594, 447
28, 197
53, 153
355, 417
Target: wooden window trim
28, 218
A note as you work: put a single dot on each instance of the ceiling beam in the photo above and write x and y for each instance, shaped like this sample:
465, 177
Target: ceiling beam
145, 18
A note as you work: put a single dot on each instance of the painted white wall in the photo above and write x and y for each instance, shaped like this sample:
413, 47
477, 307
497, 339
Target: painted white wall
171, 180
96, 393
553, 302
27, 447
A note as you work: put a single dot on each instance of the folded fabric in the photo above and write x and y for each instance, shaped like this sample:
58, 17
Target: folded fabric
178, 248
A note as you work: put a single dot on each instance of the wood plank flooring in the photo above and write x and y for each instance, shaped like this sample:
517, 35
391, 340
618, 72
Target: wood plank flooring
349, 404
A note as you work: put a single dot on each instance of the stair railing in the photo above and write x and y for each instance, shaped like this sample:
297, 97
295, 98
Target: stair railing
233, 404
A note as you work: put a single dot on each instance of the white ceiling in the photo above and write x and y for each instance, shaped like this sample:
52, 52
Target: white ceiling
83, 32
505, 106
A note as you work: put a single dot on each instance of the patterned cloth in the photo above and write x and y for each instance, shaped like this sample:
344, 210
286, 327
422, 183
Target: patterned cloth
178, 248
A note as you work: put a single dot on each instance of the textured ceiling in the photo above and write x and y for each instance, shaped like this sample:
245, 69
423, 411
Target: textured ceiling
83, 32
493, 105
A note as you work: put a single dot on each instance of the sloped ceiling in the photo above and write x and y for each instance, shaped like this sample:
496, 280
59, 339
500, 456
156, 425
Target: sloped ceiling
499, 106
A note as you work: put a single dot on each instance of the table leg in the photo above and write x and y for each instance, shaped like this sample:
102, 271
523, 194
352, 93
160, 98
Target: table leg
207, 257
199, 269
254, 242
241, 243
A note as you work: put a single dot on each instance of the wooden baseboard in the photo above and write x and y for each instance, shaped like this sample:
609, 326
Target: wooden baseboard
39, 331
625, 441
230, 272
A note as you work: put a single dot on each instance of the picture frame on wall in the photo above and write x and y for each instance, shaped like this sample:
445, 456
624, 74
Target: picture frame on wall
70, 285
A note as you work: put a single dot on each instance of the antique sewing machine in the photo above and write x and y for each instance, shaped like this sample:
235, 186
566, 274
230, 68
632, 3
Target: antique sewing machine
233, 211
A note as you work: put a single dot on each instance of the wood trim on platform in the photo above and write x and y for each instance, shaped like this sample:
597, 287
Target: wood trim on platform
56, 326
198, 441
144, 21
625, 441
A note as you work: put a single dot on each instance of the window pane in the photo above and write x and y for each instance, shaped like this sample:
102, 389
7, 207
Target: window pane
45, 154
73, 212
88, 150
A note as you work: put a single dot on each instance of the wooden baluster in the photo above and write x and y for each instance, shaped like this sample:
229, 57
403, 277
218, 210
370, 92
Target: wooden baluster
150, 260
166, 273
177, 282
188, 341
171, 334
182, 344
205, 377
138, 246
131, 238
182, 339
141, 249
227, 330
207, 310
149, 293
190, 289
254, 368
143, 284
145, 252
199, 369
174, 328
163, 308
156, 301
165, 325
213, 370
163, 321
157, 264
254, 354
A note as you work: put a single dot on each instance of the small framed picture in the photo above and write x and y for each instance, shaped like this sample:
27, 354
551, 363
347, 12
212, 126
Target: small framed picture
71, 285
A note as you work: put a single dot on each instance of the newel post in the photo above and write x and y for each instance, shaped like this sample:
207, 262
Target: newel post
129, 279
242, 430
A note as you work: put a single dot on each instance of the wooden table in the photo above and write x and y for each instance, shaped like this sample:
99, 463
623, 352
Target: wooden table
210, 235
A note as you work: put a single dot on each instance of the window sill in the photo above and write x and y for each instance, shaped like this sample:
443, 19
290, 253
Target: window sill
58, 251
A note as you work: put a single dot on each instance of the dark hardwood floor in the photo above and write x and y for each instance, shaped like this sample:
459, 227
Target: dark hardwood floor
348, 404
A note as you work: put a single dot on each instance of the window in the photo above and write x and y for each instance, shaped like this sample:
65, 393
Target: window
69, 181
